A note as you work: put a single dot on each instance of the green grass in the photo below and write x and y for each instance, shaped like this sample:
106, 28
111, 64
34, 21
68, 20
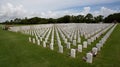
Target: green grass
16, 51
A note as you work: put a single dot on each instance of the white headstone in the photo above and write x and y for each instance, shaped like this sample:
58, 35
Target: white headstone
38, 42
51, 46
40, 38
75, 36
52, 40
86, 36
34, 40
89, 57
92, 39
59, 42
89, 41
73, 53
94, 50
74, 42
70, 38
98, 45
79, 40
68, 45
79, 48
30, 39
36, 37
85, 44
44, 44
66, 41
61, 49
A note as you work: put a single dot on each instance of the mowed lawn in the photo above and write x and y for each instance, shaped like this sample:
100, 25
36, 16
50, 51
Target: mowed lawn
16, 51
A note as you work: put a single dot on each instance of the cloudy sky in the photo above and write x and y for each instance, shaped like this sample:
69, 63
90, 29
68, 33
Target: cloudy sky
10, 9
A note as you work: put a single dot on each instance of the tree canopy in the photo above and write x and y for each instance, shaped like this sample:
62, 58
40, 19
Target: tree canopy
89, 18
112, 18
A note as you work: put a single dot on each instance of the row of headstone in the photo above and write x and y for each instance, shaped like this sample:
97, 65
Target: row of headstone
103, 40
89, 56
70, 34
74, 41
94, 38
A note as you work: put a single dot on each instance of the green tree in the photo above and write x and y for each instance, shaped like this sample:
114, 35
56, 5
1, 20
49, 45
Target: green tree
81, 18
98, 19
64, 19
112, 18
89, 18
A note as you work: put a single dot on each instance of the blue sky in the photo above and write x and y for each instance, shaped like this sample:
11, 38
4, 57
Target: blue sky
113, 5
10, 9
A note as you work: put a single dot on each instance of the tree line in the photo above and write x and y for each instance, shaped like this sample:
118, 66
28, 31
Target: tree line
67, 19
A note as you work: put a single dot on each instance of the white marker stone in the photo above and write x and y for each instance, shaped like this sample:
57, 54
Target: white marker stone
98, 45
89, 41
74, 42
61, 49
68, 45
44, 44
92, 39
101, 42
30, 39
38, 42
51, 46
40, 38
70, 38
79, 48
75, 36
85, 44
34, 40
89, 57
52, 40
59, 43
79, 40
73, 53
94, 50
65, 41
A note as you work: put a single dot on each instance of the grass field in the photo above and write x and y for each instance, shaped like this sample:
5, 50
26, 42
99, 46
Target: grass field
16, 51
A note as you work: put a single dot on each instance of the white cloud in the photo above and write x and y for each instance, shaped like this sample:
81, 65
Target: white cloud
55, 14
85, 11
46, 5
104, 11
10, 11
